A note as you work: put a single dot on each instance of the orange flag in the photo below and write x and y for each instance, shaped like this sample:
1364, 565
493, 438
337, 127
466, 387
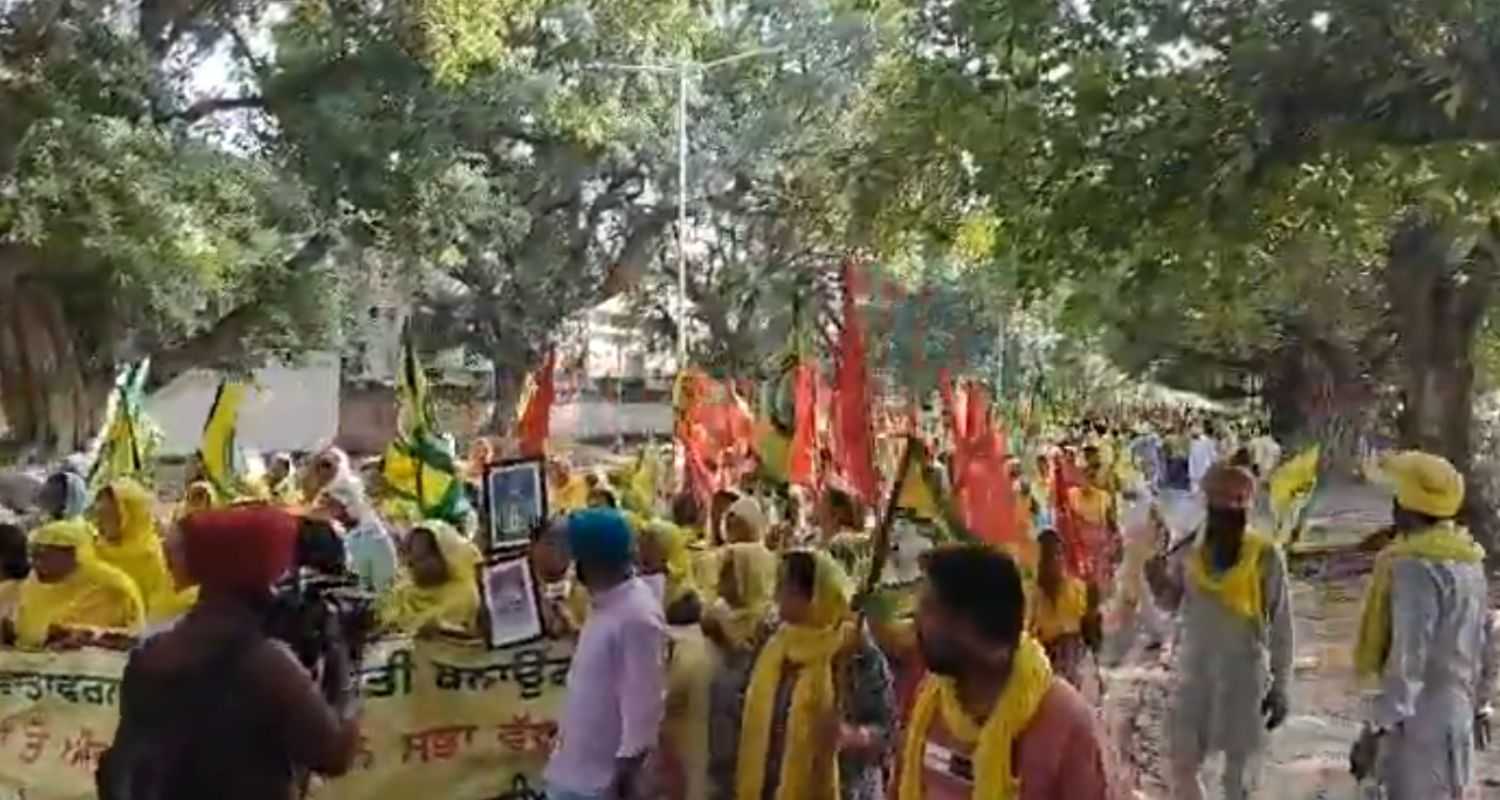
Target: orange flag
536, 413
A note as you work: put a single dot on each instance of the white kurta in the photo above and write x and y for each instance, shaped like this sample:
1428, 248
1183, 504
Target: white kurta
1202, 454
1439, 666
1226, 665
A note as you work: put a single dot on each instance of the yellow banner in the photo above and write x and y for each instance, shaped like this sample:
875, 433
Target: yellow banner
450, 717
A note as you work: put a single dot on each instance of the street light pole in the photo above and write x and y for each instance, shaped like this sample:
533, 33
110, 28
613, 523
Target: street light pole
682, 69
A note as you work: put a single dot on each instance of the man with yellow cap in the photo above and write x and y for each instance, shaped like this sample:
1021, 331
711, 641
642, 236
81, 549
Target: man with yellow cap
1423, 639
1234, 660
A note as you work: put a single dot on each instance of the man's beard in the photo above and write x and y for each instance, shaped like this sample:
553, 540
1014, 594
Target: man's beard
940, 655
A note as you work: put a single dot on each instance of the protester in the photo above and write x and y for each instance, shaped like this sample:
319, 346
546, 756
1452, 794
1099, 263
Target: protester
793, 725
15, 565
1065, 619
1203, 453
212, 707
991, 719
199, 496
372, 554
565, 602
745, 521
71, 597
1236, 616
64, 495
738, 622
330, 465
281, 480
1093, 506
666, 563
128, 541
438, 591
1424, 639
612, 716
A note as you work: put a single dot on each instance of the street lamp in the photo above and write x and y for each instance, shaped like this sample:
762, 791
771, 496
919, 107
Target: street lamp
682, 69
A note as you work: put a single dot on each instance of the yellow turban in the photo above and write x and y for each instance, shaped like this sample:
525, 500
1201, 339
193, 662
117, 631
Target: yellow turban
1425, 483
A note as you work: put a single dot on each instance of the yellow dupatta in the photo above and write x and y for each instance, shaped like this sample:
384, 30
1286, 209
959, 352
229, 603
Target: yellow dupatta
994, 742
811, 648
1444, 541
95, 595
673, 543
453, 604
752, 568
1239, 587
138, 554
1051, 620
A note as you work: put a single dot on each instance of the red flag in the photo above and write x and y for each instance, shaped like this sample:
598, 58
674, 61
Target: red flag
536, 416
802, 460
856, 451
982, 482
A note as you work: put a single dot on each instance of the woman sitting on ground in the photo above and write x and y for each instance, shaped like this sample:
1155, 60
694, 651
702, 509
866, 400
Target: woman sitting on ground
438, 591
72, 598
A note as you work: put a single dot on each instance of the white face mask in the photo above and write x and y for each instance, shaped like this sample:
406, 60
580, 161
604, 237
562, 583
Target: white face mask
658, 584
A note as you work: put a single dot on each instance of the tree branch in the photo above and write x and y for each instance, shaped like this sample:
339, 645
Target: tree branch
213, 105
226, 338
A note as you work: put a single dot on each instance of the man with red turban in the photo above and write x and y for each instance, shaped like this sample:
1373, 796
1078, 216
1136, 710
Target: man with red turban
211, 707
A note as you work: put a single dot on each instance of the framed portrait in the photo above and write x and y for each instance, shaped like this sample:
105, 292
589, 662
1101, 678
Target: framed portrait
515, 498
511, 601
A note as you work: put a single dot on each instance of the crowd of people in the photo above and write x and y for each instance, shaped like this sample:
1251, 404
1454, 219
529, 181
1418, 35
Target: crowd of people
941, 666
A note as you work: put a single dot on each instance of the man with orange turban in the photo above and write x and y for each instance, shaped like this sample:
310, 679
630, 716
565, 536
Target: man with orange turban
1231, 585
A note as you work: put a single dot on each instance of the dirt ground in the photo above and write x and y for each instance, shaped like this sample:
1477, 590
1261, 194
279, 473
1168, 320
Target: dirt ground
1308, 758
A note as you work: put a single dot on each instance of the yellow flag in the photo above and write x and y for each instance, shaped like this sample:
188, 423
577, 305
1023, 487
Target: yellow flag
218, 450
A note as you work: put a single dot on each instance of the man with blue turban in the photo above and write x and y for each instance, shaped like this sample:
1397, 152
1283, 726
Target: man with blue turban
617, 682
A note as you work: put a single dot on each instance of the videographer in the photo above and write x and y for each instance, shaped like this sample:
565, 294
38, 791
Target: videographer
213, 707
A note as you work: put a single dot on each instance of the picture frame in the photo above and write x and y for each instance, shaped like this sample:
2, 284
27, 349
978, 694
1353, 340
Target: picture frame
510, 601
515, 502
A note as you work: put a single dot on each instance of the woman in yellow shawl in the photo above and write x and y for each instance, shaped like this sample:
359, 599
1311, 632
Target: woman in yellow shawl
438, 590
1065, 618
793, 738
69, 588
128, 540
737, 623
662, 553
199, 496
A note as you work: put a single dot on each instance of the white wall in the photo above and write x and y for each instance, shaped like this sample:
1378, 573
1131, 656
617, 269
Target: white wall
288, 408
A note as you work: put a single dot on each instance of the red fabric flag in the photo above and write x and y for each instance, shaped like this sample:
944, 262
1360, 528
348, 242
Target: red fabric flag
802, 460
856, 450
982, 483
537, 415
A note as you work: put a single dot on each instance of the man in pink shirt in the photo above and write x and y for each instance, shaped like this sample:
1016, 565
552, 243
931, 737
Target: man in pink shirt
970, 629
617, 681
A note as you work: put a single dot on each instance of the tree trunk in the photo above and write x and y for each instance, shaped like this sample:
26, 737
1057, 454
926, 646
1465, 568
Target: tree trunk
53, 404
507, 387
1439, 302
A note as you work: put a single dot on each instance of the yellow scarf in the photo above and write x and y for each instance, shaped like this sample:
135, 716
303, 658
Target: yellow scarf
1239, 587
673, 543
1442, 542
1051, 620
138, 554
752, 569
454, 603
95, 595
812, 647
1030, 680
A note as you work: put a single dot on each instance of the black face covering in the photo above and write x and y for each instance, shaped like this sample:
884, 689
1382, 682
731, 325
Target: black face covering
1223, 521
